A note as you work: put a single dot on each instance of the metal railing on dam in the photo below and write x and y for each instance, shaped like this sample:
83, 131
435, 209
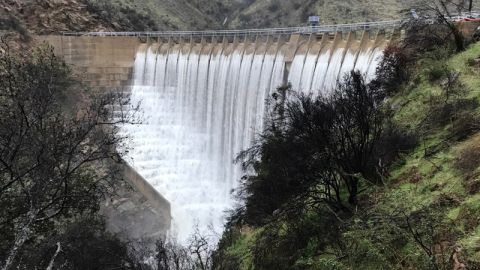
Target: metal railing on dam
331, 28
258, 32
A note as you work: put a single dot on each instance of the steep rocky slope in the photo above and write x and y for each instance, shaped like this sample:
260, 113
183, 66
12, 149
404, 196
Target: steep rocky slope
215, 14
49, 16
274, 13
54, 16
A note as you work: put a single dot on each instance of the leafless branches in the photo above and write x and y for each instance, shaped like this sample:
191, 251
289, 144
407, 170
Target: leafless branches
52, 160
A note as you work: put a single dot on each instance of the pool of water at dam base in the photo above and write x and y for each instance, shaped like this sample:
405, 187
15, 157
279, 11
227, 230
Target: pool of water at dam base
201, 107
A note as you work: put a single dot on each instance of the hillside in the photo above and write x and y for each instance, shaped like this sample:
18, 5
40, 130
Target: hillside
217, 14
277, 13
54, 16
423, 215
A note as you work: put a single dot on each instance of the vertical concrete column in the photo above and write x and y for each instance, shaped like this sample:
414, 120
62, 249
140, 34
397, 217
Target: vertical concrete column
337, 41
170, 45
268, 44
350, 44
235, 43
278, 46
191, 43
224, 43
316, 49
256, 43
293, 44
292, 48
380, 40
364, 44
396, 36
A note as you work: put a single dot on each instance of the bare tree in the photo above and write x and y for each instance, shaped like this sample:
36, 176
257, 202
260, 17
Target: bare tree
56, 156
442, 12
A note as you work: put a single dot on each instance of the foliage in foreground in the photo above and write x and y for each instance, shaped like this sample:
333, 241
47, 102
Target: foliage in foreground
56, 164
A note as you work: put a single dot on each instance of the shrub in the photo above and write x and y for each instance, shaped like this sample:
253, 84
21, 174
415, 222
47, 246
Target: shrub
444, 113
129, 18
464, 125
470, 214
281, 244
392, 71
393, 142
422, 37
436, 71
11, 23
468, 159
273, 7
85, 244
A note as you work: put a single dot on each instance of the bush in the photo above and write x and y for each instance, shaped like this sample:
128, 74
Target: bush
464, 125
394, 142
468, 160
11, 23
281, 244
423, 37
436, 71
470, 214
128, 17
273, 7
85, 244
393, 69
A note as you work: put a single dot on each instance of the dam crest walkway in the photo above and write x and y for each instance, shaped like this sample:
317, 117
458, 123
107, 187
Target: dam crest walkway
333, 28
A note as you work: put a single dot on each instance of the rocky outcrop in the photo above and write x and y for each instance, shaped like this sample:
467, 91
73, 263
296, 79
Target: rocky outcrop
52, 16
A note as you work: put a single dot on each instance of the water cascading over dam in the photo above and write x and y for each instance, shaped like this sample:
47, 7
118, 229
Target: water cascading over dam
204, 102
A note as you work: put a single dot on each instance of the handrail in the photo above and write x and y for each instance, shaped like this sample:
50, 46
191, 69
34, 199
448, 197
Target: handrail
258, 32
270, 31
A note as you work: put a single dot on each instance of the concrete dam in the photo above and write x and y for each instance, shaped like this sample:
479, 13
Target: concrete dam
203, 96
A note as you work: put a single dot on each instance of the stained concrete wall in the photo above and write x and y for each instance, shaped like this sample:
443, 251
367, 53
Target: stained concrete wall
101, 62
137, 211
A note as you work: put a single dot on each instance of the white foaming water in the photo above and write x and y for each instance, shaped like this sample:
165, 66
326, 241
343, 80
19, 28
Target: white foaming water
201, 109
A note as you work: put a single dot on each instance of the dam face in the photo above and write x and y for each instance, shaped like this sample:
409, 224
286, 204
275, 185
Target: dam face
204, 101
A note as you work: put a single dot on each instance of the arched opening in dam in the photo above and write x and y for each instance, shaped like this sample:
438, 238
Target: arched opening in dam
205, 102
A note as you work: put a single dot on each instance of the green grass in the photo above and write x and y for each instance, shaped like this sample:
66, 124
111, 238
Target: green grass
438, 177
241, 248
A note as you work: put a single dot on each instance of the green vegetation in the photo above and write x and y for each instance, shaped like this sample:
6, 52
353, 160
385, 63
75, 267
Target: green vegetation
425, 211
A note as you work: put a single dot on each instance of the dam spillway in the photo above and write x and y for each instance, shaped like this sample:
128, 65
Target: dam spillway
204, 102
